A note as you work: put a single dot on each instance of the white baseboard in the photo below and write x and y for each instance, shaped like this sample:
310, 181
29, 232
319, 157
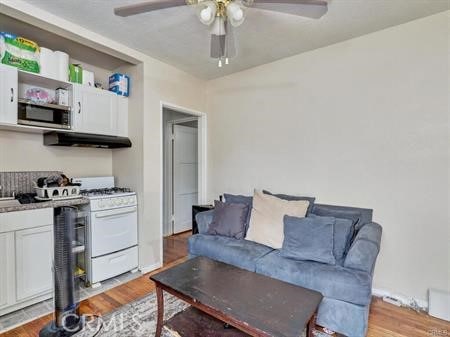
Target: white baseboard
406, 301
152, 267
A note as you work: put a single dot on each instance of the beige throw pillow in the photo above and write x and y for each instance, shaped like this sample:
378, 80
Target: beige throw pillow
266, 222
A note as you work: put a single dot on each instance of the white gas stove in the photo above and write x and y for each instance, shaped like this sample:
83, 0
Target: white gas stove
112, 229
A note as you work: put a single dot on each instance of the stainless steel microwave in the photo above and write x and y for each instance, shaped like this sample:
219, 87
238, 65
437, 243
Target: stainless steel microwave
43, 114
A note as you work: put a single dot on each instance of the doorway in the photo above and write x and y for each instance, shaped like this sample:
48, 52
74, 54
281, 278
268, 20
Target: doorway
183, 171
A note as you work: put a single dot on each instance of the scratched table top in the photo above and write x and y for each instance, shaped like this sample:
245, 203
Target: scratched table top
271, 307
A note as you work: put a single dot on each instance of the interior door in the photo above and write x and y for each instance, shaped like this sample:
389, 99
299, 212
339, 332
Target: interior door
185, 176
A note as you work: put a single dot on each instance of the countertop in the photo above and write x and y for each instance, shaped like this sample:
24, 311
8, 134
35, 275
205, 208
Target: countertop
45, 204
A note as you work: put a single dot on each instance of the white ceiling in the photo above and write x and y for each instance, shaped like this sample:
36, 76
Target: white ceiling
175, 35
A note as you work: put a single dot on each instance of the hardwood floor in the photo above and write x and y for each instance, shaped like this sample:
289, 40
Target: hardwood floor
386, 320
175, 247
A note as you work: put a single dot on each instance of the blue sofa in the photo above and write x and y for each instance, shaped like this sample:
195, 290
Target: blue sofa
346, 286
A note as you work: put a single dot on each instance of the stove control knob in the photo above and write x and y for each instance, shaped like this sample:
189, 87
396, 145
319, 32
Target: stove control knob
110, 203
131, 200
101, 204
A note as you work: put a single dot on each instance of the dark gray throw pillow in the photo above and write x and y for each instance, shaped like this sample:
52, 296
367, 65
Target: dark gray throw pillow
228, 220
241, 199
343, 232
309, 238
339, 213
294, 197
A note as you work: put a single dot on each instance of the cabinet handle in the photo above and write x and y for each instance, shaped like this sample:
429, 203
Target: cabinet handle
12, 95
79, 107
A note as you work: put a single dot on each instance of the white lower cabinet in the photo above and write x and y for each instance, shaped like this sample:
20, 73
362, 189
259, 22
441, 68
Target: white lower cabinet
7, 262
34, 253
26, 258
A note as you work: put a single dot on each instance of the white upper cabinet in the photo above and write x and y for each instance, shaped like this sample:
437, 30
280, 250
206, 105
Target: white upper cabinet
8, 94
96, 111
122, 116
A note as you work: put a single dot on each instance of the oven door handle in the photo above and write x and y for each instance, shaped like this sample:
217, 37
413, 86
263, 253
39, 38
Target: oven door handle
107, 214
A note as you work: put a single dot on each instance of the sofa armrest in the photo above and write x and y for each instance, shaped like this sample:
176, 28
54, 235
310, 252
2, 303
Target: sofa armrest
204, 219
365, 248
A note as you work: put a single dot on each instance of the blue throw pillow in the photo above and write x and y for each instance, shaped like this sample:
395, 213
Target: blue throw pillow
309, 238
241, 199
294, 197
343, 232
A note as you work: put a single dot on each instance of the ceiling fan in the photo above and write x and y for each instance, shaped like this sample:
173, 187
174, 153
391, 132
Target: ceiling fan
222, 15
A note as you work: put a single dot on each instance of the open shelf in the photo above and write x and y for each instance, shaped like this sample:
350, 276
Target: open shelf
29, 128
44, 105
78, 249
41, 81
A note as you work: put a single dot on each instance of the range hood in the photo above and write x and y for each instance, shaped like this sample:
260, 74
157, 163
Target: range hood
75, 139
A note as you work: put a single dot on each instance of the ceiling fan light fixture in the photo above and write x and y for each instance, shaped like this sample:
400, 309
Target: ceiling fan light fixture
218, 26
235, 14
207, 12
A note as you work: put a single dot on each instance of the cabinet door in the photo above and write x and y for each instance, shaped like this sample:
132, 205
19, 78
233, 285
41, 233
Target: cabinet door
34, 254
122, 116
8, 94
94, 110
6, 269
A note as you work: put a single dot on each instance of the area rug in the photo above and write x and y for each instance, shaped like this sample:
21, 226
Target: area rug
138, 319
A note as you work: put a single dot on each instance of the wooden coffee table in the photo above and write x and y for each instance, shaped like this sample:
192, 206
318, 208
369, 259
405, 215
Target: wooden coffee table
255, 304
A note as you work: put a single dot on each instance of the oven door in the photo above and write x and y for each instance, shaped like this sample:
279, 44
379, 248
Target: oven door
113, 230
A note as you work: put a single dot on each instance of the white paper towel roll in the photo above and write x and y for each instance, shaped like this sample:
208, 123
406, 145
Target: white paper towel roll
88, 78
48, 63
62, 61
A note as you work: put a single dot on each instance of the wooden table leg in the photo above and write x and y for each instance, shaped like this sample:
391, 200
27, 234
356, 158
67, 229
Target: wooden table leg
160, 300
311, 326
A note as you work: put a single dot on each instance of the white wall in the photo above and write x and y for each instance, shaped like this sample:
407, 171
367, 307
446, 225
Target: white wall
168, 84
140, 166
362, 123
26, 152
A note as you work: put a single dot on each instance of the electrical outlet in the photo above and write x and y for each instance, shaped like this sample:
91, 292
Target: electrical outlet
392, 300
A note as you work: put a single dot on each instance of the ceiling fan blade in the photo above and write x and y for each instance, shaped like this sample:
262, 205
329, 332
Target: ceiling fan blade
314, 9
147, 6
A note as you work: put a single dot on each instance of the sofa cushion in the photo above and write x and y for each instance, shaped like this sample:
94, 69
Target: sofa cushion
293, 197
239, 253
266, 223
228, 220
334, 282
241, 199
359, 216
309, 239
343, 233
204, 219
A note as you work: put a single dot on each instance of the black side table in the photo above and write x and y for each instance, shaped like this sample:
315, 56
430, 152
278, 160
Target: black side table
197, 209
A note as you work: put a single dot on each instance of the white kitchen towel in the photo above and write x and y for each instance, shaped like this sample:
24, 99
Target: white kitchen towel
48, 63
62, 61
